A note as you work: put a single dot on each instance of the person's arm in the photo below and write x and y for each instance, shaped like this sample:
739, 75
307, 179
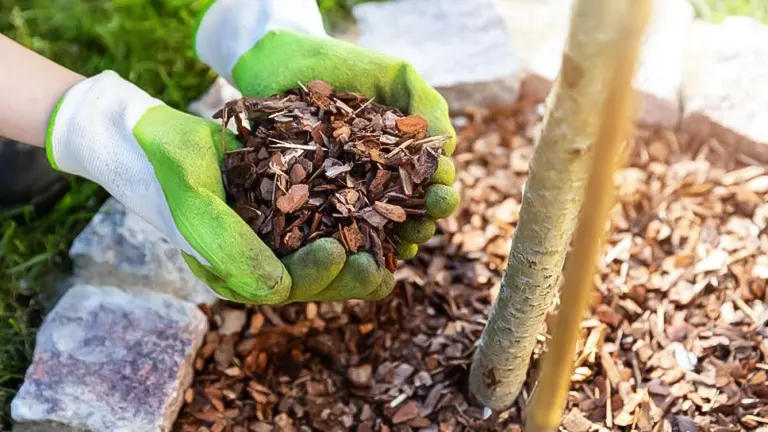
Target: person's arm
31, 86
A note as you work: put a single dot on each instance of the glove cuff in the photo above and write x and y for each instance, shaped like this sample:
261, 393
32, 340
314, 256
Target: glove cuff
230, 28
93, 119
90, 134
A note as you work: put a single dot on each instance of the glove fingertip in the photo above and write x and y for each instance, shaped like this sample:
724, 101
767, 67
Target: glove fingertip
314, 267
384, 288
450, 146
406, 251
357, 279
441, 201
445, 173
417, 230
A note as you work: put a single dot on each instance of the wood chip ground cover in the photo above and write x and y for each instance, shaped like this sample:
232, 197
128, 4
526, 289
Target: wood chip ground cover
677, 336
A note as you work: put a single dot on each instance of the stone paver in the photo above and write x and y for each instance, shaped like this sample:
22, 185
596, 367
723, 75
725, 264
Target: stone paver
724, 86
108, 360
119, 248
460, 47
532, 24
660, 68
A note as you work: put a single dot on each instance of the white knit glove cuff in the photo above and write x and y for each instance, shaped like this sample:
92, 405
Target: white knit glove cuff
229, 28
92, 136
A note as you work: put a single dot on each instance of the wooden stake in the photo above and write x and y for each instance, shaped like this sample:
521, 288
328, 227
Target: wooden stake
557, 180
615, 126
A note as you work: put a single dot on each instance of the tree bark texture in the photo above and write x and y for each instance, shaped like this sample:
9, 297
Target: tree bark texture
550, 207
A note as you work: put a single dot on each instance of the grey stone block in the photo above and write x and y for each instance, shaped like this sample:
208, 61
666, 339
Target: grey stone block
534, 23
108, 360
724, 88
461, 48
119, 248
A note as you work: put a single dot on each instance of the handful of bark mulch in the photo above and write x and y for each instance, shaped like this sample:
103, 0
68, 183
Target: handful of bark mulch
318, 163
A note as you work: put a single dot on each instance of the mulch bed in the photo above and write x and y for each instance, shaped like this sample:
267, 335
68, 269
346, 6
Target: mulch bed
677, 336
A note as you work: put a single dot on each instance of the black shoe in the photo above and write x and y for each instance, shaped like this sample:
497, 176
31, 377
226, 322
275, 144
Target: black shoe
27, 178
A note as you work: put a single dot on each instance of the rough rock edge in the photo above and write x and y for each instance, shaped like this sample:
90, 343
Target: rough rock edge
173, 402
94, 261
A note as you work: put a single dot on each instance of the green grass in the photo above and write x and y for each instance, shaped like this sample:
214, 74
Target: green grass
145, 41
337, 13
32, 252
716, 10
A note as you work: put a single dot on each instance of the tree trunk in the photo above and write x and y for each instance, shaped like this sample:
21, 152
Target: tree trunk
549, 211
551, 392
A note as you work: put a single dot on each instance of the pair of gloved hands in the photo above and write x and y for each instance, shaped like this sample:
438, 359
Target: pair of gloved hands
164, 164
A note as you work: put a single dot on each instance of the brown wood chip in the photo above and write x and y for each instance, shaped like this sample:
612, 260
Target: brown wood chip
390, 211
297, 196
413, 124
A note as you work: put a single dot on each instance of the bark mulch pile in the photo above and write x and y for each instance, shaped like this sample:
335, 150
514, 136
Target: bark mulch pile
677, 336
318, 163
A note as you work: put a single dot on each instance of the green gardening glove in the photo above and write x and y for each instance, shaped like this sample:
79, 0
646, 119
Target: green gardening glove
163, 165
264, 57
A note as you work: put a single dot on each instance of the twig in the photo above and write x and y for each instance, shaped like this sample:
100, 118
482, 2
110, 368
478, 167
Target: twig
343, 106
322, 169
274, 189
399, 148
435, 141
285, 144
614, 376
278, 183
418, 212
368, 102
712, 403
241, 150
748, 160
273, 317
615, 125
751, 314
279, 113
672, 140
635, 369
608, 407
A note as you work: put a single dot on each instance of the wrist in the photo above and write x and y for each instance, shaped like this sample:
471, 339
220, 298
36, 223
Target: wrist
30, 85
230, 28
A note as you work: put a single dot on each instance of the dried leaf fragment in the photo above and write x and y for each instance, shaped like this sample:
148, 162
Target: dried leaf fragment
293, 239
413, 124
374, 218
298, 173
297, 196
406, 412
390, 211
354, 237
319, 87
